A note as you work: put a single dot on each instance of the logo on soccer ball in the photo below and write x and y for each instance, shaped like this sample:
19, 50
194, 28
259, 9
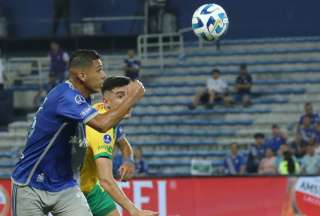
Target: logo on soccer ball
4, 201
79, 99
107, 139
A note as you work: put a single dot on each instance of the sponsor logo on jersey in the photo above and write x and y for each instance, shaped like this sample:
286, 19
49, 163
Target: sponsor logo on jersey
79, 99
107, 139
85, 112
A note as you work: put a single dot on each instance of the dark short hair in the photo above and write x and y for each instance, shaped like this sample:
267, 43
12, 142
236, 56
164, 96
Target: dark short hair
259, 135
83, 58
274, 126
308, 104
215, 70
114, 82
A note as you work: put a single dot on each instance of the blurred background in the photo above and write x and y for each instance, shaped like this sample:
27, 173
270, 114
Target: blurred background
262, 118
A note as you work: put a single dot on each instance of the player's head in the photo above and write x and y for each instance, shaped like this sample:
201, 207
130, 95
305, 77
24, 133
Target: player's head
311, 149
54, 46
308, 109
275, 130
234, 148
306, 121
86, 69
243, 68
115, 90
215, 73
259, 138
269, 153
131, 53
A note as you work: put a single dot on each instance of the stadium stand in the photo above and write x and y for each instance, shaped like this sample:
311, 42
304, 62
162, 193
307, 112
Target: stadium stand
286, 74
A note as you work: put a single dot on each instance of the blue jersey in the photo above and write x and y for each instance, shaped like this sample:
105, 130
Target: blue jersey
56, 143
232, 164
275, 142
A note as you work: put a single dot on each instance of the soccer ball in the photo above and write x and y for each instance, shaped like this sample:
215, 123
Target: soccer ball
210, 22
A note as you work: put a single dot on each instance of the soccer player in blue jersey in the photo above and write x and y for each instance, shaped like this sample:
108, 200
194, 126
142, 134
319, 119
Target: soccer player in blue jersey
45, 178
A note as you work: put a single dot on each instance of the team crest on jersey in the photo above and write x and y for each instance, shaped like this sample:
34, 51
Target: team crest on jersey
79, 99
107, 139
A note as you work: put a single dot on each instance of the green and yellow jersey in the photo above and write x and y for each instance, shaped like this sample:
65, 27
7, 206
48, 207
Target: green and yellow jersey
99, 145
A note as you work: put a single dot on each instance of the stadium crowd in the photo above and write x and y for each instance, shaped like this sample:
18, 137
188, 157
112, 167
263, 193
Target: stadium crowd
276, 154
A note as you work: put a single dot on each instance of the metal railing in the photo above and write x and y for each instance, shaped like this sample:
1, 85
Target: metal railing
158, 45
26, 70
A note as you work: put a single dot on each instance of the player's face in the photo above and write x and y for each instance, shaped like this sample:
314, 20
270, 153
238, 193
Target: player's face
275, 131
94, 76
269, 153
234, 149
215, 75
308, 109
306, 121
115, 97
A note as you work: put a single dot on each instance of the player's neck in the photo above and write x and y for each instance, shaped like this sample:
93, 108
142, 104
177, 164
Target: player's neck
77, 85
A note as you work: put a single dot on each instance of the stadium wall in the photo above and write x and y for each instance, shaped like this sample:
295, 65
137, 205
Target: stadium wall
215, 196
249, 18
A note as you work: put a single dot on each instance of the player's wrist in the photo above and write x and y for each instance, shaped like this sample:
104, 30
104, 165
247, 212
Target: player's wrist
133, 210
129, 161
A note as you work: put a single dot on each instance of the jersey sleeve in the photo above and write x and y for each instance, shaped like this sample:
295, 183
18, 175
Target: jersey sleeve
75, 106
120, 133
96, 142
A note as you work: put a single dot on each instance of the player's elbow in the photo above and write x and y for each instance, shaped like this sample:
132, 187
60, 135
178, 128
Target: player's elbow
101, 129
99, 124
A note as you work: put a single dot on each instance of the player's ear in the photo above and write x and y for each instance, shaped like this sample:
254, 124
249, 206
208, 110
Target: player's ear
81, 75
105, 101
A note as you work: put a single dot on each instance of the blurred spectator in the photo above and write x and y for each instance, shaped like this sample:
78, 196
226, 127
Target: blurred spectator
140, 163
216, 91
256, 153
298, 147
307, 131
278, 138
310, 163
243, 86
1, 75
283, 148
58, 62
132, 65
234, 163
288, 165
43, 91
317, 135
308, 110
268, 164
61, 10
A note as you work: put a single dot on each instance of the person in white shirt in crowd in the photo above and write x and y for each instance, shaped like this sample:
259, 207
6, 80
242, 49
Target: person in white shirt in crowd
216, 91
310, 163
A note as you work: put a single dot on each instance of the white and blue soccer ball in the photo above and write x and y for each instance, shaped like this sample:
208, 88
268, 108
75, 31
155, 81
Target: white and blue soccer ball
210, 22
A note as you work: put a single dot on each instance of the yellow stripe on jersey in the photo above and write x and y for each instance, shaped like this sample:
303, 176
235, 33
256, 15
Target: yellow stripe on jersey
99, 145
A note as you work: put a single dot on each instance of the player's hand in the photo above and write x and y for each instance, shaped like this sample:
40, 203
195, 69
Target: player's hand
145, 213
126, 171
136, 89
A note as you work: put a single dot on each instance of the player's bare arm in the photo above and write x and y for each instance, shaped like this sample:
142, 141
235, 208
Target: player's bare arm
127, 168
109, 184
103, 122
